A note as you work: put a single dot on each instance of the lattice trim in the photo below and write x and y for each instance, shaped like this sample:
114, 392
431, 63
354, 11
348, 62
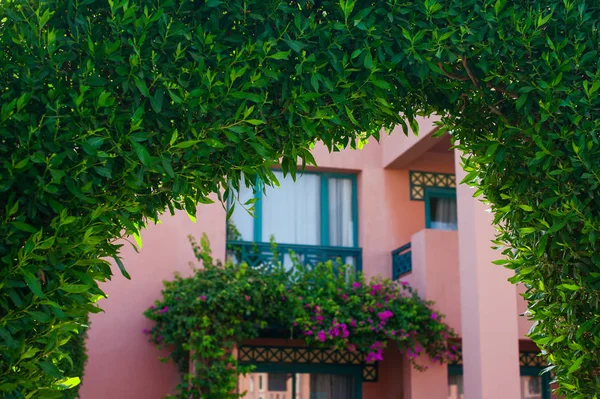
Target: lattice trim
420, 180
526, 359
302, 355
531, 359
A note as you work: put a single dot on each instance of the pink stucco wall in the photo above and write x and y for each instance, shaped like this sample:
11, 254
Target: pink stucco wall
122, 364
399, 150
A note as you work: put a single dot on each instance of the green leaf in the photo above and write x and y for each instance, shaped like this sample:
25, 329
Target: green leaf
526, 208
576, 365
33, 283
142, 153
25, 227
186, 144
280, 55
50, 369
368, 61
75, 288
527, 230
39, 316
121, 267
295, 45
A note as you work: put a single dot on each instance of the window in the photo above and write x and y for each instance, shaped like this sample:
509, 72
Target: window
316, 209
278, 382
440, 208
317, 385
260, 383
531, 387
455, 387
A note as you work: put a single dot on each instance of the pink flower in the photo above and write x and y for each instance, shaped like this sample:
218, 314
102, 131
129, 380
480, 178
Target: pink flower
248, 298
356, 285
202, 297
321, 336
434, 315
351, 347
353, 323
376, 288
383, 316
164, 310
308, 332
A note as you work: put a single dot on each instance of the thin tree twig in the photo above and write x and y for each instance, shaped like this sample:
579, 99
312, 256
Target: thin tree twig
466, 65
452, 75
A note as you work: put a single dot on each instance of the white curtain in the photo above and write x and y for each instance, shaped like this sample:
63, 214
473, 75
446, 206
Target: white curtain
291, 213
443, 214
240, 218
341, 226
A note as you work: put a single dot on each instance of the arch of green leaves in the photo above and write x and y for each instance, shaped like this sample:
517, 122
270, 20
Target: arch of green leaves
113, 111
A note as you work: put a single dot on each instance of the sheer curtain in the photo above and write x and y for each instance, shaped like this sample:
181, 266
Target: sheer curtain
443, 214
341, 231
329, 386
292, 212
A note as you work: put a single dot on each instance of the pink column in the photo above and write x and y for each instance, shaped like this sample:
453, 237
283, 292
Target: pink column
435, 277
490, 337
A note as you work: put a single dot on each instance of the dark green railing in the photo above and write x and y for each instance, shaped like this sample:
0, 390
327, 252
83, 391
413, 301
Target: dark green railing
263, 253
401, 261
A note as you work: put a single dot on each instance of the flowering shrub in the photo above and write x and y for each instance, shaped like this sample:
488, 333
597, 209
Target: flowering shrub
201, 317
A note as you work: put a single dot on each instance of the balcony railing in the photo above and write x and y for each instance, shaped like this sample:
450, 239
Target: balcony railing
262, 253
401, 261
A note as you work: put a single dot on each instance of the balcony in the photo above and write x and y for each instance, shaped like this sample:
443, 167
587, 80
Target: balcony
429, 263
401, 261
264, 253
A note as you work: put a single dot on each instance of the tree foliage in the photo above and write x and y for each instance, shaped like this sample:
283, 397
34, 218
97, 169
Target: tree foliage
113, 111
202, 317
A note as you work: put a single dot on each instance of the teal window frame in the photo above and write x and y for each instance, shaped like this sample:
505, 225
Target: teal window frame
435, 192
456, 369
293, 368
324, 206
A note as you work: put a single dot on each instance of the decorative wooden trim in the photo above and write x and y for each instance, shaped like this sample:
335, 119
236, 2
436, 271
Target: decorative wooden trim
251, 354
419, 181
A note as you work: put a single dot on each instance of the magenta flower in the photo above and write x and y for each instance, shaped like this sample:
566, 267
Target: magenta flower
383, 316
351, 347
356, 285
308, 332
247, 298
375, 288
353, 323
434, 315
202, 298
146, 331
152, 307
321, 336
164, 310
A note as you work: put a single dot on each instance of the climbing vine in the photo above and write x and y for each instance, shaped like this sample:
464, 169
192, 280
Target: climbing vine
115, 111
202, 317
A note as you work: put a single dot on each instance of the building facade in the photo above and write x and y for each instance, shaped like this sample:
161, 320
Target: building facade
393, 209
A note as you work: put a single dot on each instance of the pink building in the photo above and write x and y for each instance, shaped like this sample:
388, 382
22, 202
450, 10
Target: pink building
393, 209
